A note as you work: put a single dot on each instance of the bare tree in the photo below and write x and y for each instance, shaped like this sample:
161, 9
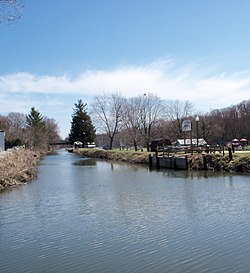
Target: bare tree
244, 117
164, 130
107, 113
52, 129
14, 126
236, 120
17, 125
212, 127
176, 111
222, 125
151, 112
132, 120
4, 123
33, 129
10, 11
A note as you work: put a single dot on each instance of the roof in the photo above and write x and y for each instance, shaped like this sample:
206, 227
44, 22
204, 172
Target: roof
161, 141
187, 141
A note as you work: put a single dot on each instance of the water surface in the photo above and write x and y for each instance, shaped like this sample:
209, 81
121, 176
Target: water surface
83, 215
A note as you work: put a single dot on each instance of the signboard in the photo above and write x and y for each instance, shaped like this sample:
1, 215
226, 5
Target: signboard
186, 126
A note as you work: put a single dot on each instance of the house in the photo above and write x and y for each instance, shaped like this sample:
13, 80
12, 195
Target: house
161, 142
77, 144
187, 142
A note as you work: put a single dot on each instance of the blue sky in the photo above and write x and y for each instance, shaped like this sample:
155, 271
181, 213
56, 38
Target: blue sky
62, 51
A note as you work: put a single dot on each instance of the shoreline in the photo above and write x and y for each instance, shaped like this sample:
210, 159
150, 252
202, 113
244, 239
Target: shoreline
131, 157
215, 162
17, 167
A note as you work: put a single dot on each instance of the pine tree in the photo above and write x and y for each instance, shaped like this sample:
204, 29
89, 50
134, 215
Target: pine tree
36, 130
82, 128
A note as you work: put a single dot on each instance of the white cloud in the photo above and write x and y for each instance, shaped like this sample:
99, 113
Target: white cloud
24, 82
204, 87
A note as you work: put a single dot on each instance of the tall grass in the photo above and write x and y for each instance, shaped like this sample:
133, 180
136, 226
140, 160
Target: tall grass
17, 167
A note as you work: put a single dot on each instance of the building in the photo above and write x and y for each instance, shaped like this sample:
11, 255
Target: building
187, 142
2, 141
162, 142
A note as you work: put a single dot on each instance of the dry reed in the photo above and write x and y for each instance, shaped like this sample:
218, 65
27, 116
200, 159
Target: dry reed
17, 167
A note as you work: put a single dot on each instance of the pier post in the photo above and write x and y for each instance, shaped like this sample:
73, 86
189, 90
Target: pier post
157, 162
150, 161
204, 162
230, 154
186, 159
174, 162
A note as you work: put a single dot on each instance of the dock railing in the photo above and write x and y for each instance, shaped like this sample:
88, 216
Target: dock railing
167, 151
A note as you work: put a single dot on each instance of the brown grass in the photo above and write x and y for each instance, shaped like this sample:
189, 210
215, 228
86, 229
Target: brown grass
17, 167
240, 162
123, 156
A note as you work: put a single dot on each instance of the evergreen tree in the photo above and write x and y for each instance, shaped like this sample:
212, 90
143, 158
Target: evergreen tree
82, 128
36, 130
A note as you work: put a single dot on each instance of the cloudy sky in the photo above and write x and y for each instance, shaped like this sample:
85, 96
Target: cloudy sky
62, 51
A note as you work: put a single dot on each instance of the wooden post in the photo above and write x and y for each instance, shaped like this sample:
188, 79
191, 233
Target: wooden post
186, 159
175, 167
230, 154
150, 161
233, 148
157, 162
204, 162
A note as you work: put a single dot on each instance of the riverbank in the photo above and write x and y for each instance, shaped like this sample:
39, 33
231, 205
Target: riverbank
215, 162
122, 156
17, 167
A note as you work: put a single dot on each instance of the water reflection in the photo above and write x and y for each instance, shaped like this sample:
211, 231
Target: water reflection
192, 174
85, 162
81, 212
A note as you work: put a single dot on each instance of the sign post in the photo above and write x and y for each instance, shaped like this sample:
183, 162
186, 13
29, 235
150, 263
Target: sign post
2, 140
187, 127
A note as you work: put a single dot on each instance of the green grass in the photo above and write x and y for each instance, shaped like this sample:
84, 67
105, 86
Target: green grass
117, 150
242, 154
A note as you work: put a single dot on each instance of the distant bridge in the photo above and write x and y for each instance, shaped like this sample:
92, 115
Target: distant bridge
60, 142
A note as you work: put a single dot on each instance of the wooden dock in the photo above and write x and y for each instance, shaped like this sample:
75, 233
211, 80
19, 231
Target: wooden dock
168, 162
171, 158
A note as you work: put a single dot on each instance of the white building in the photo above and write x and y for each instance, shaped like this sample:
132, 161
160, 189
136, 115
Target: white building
187, 142
2, 146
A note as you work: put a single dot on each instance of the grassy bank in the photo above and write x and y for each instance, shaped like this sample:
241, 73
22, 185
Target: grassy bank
17, 167
123, 156
216, 162
239, 164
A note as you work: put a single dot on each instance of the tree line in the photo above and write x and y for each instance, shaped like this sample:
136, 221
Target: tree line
114, 120
138, 120
32, 130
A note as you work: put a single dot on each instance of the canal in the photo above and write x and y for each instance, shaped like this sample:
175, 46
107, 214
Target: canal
85, 215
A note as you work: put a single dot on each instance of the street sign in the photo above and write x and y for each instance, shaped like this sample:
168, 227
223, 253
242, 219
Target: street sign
186, 125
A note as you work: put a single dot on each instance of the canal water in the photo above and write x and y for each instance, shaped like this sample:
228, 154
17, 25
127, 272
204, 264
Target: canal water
85, 215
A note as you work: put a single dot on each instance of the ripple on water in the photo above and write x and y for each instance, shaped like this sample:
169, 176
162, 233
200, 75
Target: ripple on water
142, 222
